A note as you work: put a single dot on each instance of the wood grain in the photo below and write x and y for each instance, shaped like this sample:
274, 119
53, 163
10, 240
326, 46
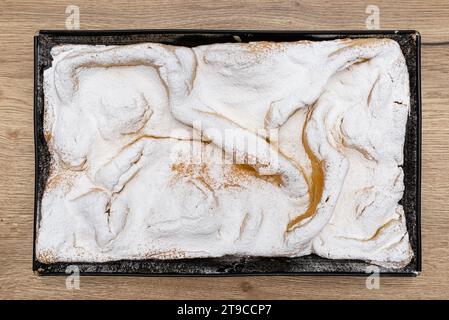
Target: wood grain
20, 20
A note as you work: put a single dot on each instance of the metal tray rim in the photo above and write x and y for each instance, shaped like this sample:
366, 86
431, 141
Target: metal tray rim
43, 269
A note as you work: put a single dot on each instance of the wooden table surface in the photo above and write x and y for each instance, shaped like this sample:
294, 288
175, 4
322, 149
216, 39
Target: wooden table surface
19, 21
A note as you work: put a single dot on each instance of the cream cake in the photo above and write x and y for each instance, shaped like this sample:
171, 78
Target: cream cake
275, 149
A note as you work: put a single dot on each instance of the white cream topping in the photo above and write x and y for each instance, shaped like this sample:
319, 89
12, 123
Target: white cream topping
324, 125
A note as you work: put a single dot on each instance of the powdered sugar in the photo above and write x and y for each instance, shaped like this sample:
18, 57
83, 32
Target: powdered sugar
122, 122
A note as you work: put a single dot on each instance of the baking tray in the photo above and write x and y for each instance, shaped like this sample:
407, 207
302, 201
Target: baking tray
409, 42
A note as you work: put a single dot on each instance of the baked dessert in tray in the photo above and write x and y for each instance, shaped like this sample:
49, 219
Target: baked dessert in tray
274, 149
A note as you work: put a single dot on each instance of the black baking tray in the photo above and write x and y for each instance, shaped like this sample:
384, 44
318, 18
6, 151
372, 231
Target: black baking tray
409, 41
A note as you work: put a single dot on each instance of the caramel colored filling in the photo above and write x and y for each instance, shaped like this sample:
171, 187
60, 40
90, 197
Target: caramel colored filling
315, 183
234, 177
248, 170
